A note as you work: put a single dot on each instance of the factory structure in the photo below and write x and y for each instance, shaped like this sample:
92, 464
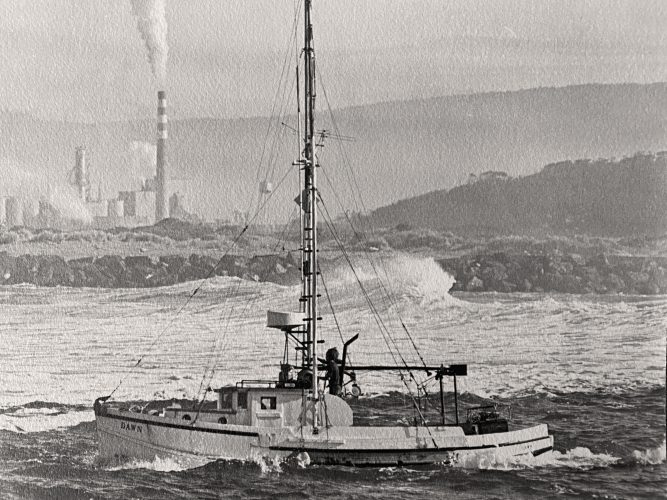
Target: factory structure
148, 204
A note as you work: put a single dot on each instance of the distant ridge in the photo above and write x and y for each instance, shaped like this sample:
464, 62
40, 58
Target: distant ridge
401, 149
596, 197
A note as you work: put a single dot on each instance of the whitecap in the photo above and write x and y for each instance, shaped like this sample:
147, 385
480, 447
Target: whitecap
166, 464
577, 458
650, 456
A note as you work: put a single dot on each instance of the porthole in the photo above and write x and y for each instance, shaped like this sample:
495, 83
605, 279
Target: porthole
222, 420
187, 417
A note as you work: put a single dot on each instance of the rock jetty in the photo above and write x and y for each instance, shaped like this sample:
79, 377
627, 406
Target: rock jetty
567, 273
112, 271
498, 272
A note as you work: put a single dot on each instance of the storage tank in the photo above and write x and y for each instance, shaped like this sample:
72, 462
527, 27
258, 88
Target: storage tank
13, 209
3, 212
30, 211
115, 208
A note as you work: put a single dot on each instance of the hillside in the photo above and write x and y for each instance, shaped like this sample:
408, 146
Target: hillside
602, 197
401, 149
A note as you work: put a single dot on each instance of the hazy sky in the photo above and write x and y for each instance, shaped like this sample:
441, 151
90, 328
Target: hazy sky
84, 59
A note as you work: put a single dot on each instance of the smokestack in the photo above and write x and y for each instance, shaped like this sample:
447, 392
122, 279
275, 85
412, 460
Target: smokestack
161, 160
81, 174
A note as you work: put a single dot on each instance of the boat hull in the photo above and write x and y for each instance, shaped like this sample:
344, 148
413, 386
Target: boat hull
126, 435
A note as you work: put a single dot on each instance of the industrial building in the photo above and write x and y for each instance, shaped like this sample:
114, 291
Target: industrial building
146, 205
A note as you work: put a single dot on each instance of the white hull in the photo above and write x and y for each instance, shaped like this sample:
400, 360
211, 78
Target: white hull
129, 435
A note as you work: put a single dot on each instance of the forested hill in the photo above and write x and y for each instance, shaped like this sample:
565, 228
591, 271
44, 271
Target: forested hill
596, 197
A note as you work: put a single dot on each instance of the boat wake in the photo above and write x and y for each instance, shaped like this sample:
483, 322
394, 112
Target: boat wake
170, 464
580, 458
184, 463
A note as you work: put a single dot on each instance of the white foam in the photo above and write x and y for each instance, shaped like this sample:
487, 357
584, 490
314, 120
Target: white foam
577, 458
169, 464
650, 456
582, 458
513, 344
42, 419
402, 276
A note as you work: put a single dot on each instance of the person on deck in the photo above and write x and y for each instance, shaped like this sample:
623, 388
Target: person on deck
333, 371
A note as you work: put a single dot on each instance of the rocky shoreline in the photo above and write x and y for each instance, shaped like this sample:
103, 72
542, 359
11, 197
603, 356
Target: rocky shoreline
498, 272
112, 271
567, 273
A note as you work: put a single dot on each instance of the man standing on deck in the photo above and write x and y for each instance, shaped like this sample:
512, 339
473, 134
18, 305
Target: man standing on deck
333, 371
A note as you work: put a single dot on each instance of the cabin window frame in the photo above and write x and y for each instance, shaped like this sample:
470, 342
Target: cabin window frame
242, 400
226, 401
268, 403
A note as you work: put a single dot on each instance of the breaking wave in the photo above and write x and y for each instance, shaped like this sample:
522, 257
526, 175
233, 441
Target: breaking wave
650, 456
403, 276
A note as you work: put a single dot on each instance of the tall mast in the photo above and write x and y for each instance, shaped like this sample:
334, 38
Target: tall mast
310, 205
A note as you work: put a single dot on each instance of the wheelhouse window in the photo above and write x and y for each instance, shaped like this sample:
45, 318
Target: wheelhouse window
267, 403
242, 401
225, 401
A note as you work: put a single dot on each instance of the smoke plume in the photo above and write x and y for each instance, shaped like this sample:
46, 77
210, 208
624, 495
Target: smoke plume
152, 25
143, 159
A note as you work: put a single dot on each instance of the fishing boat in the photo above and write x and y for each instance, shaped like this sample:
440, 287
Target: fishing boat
304, 411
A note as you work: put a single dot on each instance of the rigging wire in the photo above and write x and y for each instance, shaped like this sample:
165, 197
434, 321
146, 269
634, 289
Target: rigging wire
356, 190
281, 97
199, 286
387, 295
220, 341
179, 311
247, 305
349, 171
280, 87
384, 331
283, 235
208, 375
333, 312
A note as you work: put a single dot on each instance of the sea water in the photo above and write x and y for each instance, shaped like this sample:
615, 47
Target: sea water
591, 367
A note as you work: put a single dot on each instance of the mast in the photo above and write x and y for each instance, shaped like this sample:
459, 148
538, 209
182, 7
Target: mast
310, 206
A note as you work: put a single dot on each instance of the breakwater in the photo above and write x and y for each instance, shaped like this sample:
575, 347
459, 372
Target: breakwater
499, 272
564, 273
112, 271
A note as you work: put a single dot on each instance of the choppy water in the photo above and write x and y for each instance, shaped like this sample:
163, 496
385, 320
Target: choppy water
591, 367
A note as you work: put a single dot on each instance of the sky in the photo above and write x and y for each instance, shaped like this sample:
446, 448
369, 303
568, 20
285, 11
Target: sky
84, 60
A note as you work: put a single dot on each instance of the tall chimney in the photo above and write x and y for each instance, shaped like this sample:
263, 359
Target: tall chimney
81, 173
161, 160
